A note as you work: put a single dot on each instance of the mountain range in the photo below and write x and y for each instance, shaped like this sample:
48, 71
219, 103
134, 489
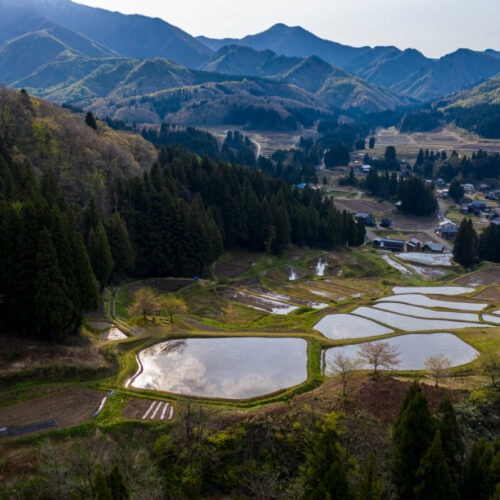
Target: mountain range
141, 69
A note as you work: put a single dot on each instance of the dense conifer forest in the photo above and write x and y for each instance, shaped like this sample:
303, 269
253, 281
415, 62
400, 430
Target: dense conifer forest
174, 219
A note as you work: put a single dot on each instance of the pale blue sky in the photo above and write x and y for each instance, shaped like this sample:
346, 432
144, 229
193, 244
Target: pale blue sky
435, 27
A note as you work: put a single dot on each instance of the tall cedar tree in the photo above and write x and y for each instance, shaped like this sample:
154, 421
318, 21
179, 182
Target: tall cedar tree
456, 191
370, 482
413, 434
489, 243
466, 247
481, 473
90, 120
57, 315
325, 476
122, 252
100, 254
451, 439
417, 197
86, 284
433, 479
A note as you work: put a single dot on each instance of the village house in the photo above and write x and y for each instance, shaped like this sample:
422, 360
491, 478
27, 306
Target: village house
414, 245
386, 222
364, 169
431, 246
368, 219
391, 244
469, 188
448, 233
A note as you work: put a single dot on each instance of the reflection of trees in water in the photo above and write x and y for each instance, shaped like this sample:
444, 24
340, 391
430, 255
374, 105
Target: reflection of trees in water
173, 346
170, 346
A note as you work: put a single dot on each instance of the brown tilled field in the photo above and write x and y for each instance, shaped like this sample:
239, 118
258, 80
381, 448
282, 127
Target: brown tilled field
446, 139
489, 275
65, 408
372, 207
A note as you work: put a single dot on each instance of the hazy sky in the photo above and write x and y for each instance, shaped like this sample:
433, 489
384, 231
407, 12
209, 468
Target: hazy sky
435, 27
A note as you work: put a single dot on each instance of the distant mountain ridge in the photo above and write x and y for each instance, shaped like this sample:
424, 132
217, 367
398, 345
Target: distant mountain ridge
334, 86
143, 69
406, 72
134, 36
294, 41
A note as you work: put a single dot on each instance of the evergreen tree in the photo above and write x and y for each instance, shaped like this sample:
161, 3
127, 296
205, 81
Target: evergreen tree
481, 471
369, 485
54, 309
336, 156
417, 197
456, 191
86, 283
334, 236
325, 476
100, 254
412, 435
90, 120
420, 158
489, 243
61, 237
122, 252
433, 479
451, 439
372, 182
390, 157
117, 486
466, 247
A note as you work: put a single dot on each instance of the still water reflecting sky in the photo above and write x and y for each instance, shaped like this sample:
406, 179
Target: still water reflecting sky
414, 349
232, 368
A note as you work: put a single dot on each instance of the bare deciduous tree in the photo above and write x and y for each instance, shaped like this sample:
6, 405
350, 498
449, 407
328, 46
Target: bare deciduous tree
438, 367
379, 355
343, 365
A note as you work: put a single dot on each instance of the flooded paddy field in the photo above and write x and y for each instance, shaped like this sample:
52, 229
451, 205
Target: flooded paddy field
422, 300
414, 350
347, 326
229, 368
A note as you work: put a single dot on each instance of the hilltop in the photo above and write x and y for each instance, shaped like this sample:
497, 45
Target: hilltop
145, 70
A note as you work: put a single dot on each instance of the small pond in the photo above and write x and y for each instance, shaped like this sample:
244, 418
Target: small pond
230, 368
417, 299
414, 349
346, 326
410, 323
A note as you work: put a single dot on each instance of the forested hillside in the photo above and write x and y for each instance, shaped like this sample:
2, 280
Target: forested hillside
81, 205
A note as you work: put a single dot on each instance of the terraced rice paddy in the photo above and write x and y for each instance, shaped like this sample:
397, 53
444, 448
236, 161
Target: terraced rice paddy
414, 350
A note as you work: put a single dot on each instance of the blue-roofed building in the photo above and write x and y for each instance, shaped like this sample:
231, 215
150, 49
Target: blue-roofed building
448, 233
391, 244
